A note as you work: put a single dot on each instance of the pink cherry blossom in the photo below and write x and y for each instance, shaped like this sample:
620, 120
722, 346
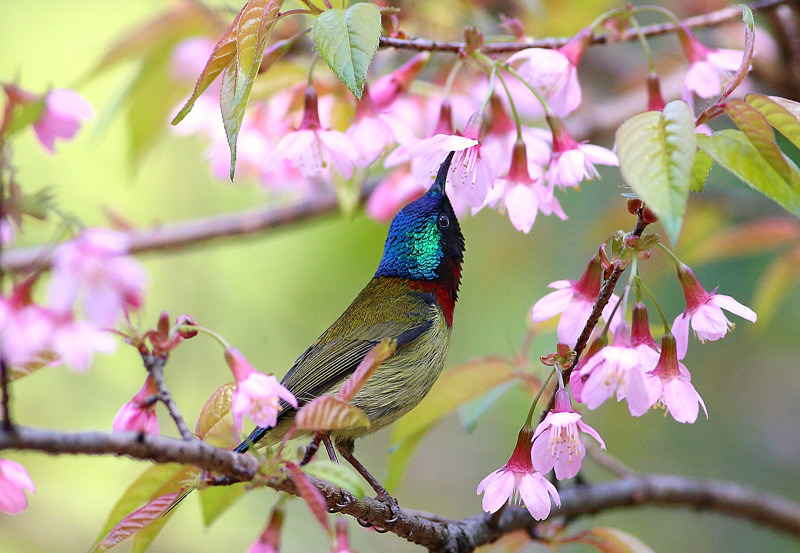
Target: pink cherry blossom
374, 130
471, 174
556, 443
521, 195
710, 70
394, 191
313, 149
64, 110
75, 342
621, 368
518, 479
94, 269
554, 72
574, 300
14, 479
25, 327
389, 88
704, 312
257, 395
571, 162
340, 543
672, 386
139, 414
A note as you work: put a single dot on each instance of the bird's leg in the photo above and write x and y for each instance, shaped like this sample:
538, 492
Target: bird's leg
311, 449
326, 439
346, 449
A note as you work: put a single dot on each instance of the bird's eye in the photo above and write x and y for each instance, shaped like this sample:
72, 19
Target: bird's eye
444, 220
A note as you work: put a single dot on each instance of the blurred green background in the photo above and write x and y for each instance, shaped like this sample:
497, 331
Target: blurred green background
272, 294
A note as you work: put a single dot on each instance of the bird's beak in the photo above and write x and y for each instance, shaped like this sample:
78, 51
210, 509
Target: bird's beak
441, 176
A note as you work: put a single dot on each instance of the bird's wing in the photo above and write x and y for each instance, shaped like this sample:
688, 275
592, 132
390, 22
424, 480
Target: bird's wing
379, 312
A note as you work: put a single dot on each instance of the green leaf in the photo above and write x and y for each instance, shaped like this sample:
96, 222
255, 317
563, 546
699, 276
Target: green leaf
782, 114
152, 513
146, 486
700, 169
347, 40
329, 413
731, 149
214, 425
757, 130
254, 25
456, 387
336, 473
656, 154
311, 495
215, 500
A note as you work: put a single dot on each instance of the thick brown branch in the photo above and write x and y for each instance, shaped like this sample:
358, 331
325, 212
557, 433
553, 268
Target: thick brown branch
705, 20
436, 535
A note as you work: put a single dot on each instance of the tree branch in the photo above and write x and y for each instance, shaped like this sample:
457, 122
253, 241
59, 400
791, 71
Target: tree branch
179, 235
705, 20
436, 535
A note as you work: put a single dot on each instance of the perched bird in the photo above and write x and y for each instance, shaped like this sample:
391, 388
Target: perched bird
410, 299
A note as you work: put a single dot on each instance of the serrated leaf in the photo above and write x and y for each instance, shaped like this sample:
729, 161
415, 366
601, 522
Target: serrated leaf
656, 152
329, 413
253, 28
700, 169
782, 114
147, 485
611, 540
731, 149
372, 360
311, 495
781, 275
137, 521
336, 473
347, 40
215, 500
757, 129
454, 388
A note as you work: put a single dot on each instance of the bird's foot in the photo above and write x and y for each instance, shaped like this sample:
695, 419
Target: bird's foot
394, 507
345, 499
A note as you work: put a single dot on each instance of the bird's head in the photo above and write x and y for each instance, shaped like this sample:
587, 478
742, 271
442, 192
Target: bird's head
425, 238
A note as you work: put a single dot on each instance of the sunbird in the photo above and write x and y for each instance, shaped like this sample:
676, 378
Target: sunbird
411, 300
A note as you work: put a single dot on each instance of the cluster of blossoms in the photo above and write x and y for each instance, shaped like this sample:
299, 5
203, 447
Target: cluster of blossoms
632, 367
513, 166
93, 284
555, 444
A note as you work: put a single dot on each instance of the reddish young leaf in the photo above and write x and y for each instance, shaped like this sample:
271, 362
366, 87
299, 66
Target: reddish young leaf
223, 54
329, 413
254, 24
311, 495
377, 355
136, 521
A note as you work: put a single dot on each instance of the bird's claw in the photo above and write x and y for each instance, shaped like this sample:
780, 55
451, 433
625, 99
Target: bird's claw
390, 502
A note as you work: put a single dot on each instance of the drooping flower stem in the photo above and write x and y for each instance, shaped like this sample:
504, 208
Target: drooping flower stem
513, 107
191, 328
640, 285
538, 395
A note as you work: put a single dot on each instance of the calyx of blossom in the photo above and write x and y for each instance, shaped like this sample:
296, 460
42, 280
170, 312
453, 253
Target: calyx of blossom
693, 291
640, 326
574, 49
445, 123
310, 118
668, 364
655, 102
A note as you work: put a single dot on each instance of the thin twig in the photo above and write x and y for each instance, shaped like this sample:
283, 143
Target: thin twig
710, 19
176, 236
155, 366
